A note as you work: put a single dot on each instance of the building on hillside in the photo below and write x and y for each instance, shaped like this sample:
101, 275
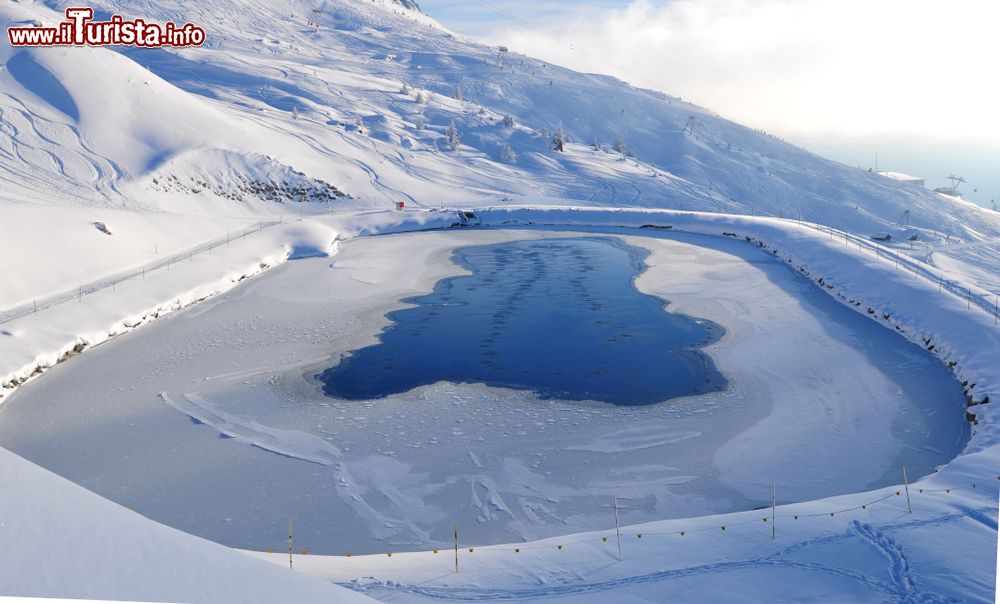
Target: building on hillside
912, 180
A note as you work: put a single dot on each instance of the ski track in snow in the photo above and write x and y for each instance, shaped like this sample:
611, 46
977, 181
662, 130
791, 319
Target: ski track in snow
900, 587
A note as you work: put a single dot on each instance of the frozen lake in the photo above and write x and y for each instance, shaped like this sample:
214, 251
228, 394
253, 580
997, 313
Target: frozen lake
559, 317
213, 420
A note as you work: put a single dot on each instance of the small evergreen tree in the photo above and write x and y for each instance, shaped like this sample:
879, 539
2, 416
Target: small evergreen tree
421, 99
619, 145
508, 154
508, 121
559, 138
453, 138
458, 93
597, 145
420, 122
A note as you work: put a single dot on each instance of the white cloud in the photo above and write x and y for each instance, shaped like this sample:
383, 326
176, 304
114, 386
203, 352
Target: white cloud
800, 68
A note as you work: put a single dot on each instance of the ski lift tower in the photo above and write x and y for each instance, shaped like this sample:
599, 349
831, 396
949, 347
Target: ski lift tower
502, 54
689, 125
955, 181
953, 189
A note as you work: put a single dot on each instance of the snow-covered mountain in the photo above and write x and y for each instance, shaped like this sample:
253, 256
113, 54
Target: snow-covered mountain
364, 101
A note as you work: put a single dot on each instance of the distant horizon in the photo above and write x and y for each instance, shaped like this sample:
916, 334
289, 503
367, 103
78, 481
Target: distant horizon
798, 75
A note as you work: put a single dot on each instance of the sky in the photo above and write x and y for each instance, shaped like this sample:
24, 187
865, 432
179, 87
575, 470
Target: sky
914, 81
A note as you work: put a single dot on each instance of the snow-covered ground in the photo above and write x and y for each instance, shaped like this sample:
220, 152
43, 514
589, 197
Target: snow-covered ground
63, 541
208, 166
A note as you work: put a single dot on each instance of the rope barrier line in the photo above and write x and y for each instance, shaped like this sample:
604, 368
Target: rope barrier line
948, 490
920, 269
608, 535
863, 506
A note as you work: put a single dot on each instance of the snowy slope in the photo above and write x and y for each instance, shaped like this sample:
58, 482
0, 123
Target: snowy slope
62, 541
361, 106
268, 84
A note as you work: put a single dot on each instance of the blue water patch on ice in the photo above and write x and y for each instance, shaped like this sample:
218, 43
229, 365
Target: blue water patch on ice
558, 316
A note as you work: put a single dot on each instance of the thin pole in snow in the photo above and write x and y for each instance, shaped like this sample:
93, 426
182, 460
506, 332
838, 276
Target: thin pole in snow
618, 532
34, 307
969, 304
996, 308
774, 489
456, 548
906, 486
80, 295
289, 544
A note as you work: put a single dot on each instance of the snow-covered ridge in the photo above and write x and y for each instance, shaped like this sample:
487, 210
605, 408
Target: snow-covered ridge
238, 177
